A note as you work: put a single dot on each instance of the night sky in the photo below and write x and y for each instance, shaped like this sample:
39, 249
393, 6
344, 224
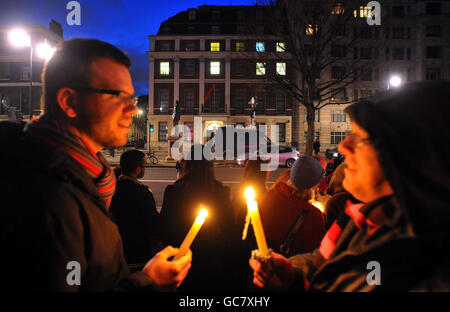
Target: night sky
124, 23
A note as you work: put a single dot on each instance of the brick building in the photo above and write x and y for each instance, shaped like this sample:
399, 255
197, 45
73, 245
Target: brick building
206, 59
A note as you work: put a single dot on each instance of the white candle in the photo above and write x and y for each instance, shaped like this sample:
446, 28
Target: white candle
192, 233
252, 206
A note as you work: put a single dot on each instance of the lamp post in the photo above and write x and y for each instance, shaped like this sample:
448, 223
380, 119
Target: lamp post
19, 38
394, 81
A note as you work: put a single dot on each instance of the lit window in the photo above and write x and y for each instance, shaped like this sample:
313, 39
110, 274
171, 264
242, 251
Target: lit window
281, 69
310, 29
260, 68
215, 46
338, 9
164, 68
364, 12
260, 47
281, 47
214, 68
240, 46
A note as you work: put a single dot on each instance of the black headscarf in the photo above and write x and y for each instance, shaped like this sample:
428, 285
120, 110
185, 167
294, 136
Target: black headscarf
410, 130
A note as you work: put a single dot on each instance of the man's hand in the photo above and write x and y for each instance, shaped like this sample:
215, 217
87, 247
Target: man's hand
167, 273
276, 274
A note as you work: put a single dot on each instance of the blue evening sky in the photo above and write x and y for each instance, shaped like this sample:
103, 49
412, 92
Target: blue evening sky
124, 23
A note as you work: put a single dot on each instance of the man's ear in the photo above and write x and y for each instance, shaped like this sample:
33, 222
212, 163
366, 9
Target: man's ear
67, 101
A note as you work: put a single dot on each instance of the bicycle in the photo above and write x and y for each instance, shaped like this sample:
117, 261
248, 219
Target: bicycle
152, 158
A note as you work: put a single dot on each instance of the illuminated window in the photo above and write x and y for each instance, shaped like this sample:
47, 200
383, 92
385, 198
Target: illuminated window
281, 69
215, 46
260, 47
338, 9
364, 12
310, 29
337, 137
281, 46
164, 68
214, 68
240, 46
260, 68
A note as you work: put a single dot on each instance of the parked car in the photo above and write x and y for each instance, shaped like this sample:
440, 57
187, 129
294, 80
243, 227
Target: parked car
332, 153
287, 155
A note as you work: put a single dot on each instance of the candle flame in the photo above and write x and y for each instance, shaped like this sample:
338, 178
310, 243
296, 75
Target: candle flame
203, 213
317, 204
250, 193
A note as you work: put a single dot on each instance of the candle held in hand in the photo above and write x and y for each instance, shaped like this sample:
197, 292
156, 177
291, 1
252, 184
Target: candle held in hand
252, 206
192, 233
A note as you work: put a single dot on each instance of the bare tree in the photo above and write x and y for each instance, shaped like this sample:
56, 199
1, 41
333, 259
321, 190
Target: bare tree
314, 39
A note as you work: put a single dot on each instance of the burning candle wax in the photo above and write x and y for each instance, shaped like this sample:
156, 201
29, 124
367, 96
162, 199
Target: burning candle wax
252, 206
192, 233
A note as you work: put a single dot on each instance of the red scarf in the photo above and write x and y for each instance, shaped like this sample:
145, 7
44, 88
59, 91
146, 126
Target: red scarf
95, 164
360, 219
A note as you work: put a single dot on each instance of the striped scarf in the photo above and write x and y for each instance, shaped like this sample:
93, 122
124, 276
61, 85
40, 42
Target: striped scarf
95, 164
355, 212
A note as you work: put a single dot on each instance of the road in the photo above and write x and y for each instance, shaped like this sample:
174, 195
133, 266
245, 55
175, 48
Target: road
158, 178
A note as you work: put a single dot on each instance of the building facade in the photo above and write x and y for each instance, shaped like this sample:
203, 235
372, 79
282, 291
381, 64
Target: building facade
15, 70
207, 60
197, 58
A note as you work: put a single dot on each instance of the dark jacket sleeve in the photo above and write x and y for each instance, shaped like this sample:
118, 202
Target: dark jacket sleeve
66, 235
69, 241
149, 214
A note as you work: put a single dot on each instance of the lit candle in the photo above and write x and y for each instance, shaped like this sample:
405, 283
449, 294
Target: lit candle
317, 204
252, 206
192, 233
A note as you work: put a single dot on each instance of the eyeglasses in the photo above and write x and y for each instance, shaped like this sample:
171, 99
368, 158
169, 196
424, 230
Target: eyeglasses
123, 95
353, 141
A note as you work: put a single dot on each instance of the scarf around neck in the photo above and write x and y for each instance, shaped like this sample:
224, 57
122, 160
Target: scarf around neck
95, 164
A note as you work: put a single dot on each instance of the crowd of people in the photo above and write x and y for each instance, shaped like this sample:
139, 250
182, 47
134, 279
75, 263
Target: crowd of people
387, 202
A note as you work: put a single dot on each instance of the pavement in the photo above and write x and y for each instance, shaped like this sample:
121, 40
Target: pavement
162, 160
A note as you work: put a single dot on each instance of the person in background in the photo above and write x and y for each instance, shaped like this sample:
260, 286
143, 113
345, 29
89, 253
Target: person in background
280, 207
316, 146
252, 176
255, 177
338, 197
198, 188
133, 208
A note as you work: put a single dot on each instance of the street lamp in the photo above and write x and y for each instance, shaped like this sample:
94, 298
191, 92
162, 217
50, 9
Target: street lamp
19, 38
394, 81
45, 51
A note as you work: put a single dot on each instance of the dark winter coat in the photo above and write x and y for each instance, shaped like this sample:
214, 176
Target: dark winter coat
133, 208
212, 249
279, 210
51, 216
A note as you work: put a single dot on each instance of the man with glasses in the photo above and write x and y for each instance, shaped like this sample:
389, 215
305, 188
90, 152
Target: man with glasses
397, 239
57, 233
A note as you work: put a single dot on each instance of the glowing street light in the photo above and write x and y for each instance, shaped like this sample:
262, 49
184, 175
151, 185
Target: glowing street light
394, 81
20, 39
45, 51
